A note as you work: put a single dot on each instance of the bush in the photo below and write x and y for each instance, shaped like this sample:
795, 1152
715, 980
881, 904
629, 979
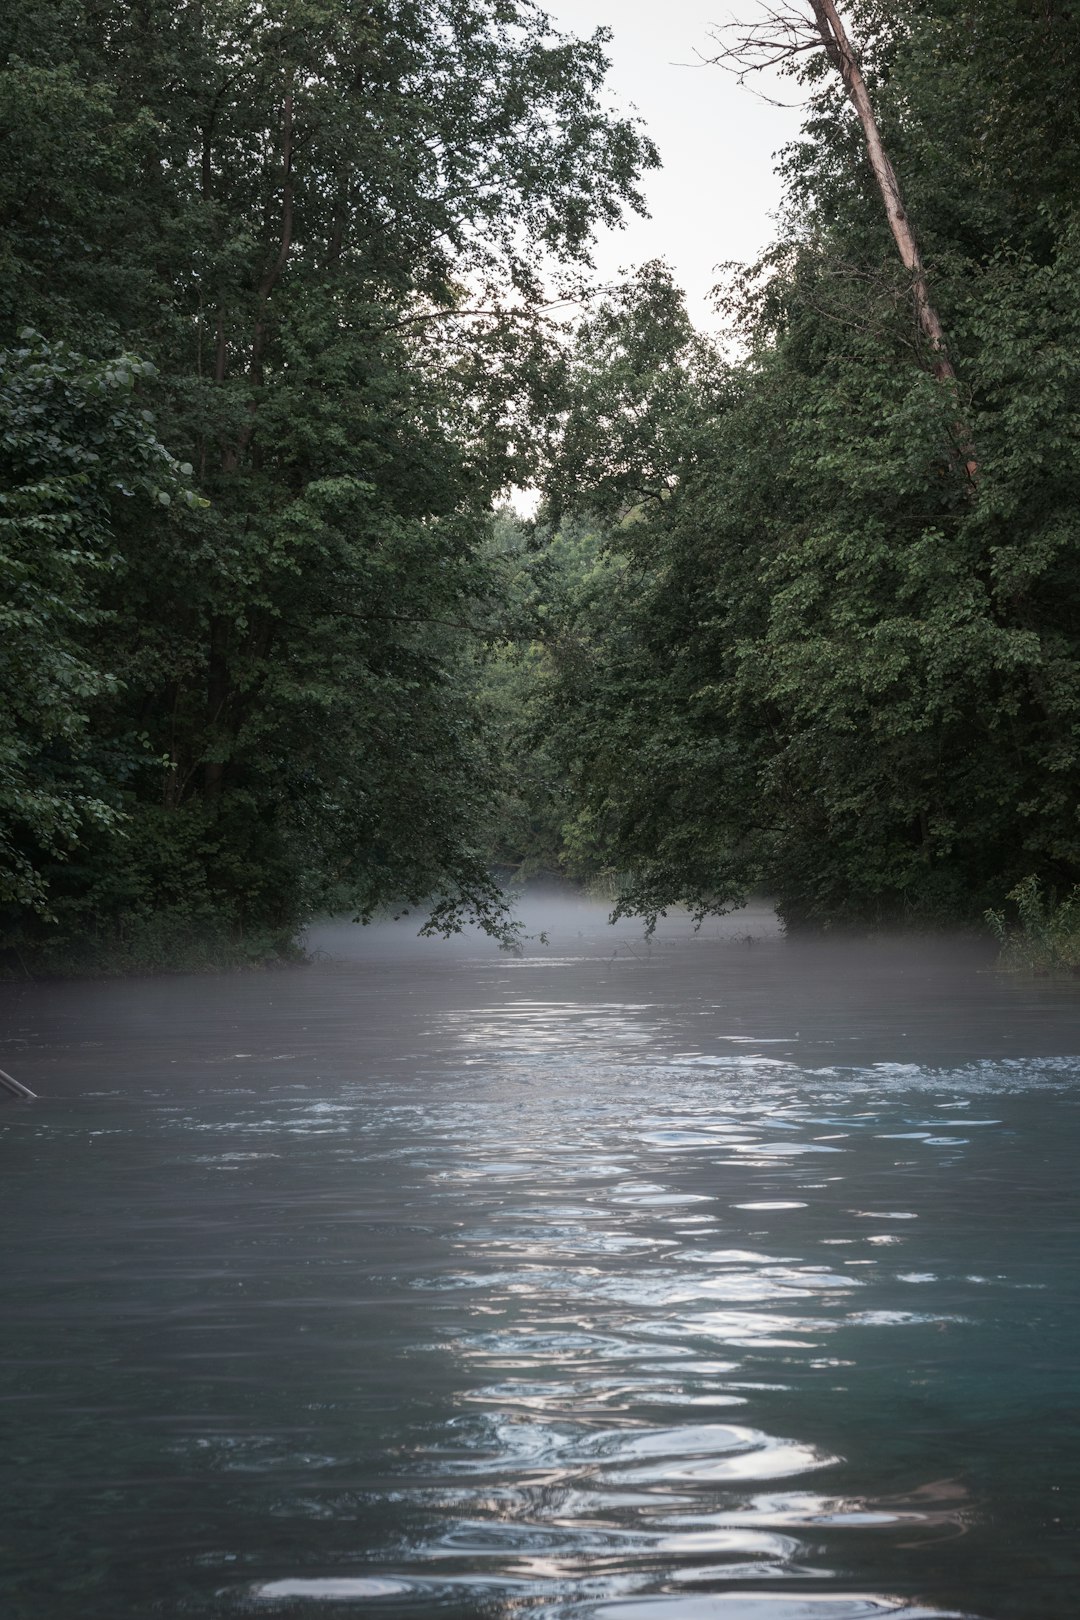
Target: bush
1045, 935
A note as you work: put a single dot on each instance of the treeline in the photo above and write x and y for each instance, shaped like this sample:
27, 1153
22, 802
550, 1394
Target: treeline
833, 654
271, 312
800, 610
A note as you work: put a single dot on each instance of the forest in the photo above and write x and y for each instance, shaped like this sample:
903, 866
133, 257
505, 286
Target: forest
294, 296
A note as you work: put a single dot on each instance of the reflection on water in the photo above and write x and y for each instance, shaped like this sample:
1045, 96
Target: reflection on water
693, 1280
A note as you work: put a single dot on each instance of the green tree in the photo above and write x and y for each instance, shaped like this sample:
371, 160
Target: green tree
330, 227
833, 673
74, 447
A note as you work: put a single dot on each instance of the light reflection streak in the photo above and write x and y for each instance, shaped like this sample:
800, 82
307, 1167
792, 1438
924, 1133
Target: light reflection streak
592, 1424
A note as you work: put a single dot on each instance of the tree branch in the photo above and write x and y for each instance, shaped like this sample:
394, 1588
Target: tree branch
784, 33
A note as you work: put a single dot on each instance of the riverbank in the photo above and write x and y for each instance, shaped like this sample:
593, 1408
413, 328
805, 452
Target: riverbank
1039, 937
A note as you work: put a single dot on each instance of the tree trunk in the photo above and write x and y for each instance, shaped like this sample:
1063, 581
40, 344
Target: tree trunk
217, 699
839, 50
233, 455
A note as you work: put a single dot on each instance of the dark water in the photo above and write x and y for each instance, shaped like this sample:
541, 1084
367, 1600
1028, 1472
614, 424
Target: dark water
701, 1281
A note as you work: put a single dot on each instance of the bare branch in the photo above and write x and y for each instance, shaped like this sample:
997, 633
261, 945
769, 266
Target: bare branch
777, 37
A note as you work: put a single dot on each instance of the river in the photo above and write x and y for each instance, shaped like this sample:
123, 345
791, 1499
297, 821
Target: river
712, 1277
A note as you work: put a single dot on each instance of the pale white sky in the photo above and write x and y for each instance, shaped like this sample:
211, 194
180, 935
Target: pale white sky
712, 200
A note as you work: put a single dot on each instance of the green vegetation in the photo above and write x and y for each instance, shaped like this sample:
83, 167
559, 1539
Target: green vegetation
326, 230
833, 662
73, 446
800, 613
1045, 935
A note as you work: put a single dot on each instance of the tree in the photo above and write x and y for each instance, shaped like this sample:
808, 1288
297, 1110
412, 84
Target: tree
330, 228
781, 39
831, 674
74, 446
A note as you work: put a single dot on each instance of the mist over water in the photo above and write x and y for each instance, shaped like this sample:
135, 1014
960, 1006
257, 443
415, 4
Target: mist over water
716, 1276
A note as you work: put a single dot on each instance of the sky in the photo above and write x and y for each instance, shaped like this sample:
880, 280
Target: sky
712, 200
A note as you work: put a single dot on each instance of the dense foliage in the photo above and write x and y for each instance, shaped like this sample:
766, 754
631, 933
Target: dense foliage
830, 664
231, 709
801, 611
72, 446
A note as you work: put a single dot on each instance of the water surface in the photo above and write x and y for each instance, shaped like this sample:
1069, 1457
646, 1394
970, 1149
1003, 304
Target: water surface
714, 1278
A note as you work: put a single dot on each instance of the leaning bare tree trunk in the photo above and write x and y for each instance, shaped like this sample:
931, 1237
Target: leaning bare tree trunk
840, 53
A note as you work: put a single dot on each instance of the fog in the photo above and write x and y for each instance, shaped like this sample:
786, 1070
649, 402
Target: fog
715, 1275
